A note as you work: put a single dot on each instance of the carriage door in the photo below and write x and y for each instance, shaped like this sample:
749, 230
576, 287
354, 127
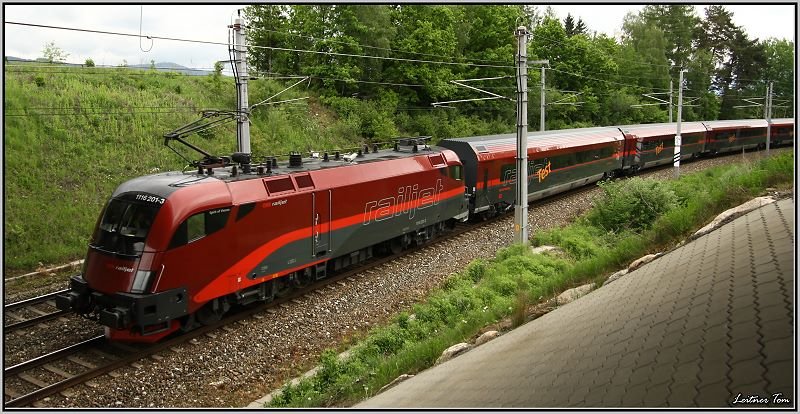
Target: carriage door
321, 223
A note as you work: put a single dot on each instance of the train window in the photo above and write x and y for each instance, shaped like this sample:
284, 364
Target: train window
195, 227
124, 226
455, 172
200, 225
244, 210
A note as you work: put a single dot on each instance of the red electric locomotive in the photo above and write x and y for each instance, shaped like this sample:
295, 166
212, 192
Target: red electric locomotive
174, 249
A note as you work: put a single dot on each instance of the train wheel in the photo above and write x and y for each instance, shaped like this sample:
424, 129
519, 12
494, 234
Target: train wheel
302, 278
212, 312
396, 245
281, 287
188, 323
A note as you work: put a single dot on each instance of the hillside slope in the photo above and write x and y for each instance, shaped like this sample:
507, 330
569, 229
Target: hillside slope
74, 134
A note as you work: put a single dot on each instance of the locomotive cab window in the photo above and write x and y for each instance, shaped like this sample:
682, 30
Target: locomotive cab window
124, 225
455, 172
200, 225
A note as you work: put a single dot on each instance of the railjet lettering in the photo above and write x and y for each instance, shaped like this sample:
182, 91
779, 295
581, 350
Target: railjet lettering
541, 169
409, 198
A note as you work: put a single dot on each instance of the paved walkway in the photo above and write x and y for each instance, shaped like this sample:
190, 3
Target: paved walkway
706, 325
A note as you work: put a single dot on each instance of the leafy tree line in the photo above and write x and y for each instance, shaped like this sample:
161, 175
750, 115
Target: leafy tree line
393, 92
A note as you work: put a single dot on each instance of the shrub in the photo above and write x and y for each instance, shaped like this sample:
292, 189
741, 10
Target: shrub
632, 204
579, 240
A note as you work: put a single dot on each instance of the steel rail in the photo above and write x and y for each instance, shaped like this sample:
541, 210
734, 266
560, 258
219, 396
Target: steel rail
31, 301
33, 321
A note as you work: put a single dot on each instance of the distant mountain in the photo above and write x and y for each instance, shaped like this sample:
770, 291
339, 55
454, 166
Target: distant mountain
160, 66
173, 67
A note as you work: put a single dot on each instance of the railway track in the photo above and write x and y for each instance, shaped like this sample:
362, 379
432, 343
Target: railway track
35, 379
30, 312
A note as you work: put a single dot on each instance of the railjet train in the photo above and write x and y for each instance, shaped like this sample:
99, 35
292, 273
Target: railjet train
177, 249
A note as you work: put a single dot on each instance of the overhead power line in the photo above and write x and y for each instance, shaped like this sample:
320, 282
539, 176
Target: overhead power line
375, 47
552, 41
606, 81
287, 76
175, 39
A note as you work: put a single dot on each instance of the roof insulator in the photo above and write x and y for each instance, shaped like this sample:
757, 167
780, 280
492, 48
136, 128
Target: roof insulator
295, 159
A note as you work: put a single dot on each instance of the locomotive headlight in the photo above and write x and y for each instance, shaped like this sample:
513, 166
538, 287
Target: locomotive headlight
141, 281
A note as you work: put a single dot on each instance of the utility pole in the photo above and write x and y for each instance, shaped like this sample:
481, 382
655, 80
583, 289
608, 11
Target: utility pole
670, 100
768, 113
541, 116
676, 159
521, 203
240, 60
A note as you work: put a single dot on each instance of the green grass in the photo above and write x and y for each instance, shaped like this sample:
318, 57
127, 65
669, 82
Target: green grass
487, 291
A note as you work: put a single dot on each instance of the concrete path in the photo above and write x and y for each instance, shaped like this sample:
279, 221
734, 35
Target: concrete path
709, 324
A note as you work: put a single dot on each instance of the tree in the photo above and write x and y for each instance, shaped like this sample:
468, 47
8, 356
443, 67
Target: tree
679, 25
53, 53
643, 57
89, 63
569, 25
572, 28
779, 68
216, 77
580, 27
268, 26
698, 83
428, 29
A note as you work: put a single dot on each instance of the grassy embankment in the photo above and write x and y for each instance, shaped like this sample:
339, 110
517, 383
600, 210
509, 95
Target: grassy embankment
84, 131
633, 217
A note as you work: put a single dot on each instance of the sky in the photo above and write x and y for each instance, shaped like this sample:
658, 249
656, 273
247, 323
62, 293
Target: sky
209, 23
